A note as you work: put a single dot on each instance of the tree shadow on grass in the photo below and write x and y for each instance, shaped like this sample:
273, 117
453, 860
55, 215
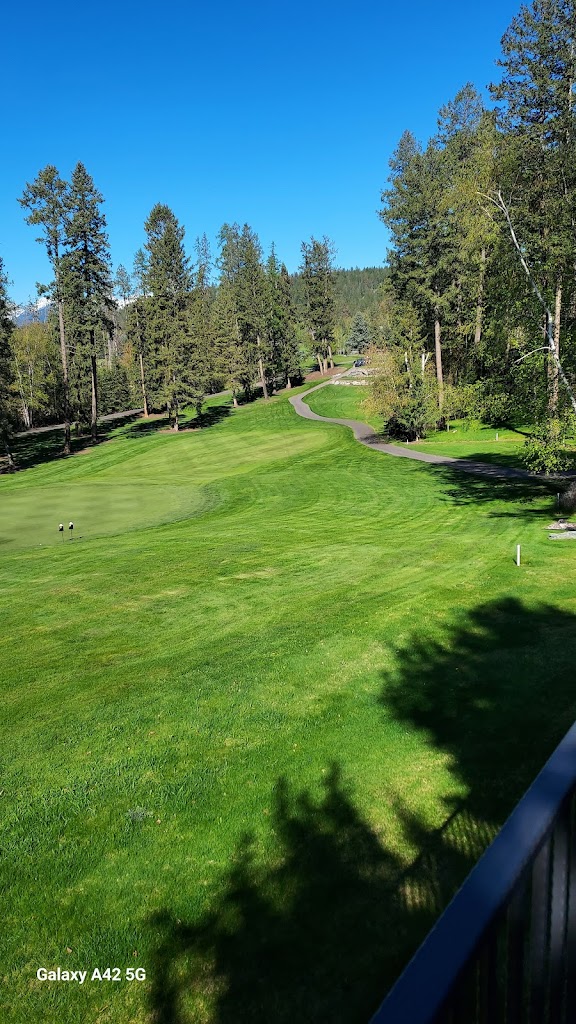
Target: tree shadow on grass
211, 415
320, 932
35, 449
534, 497
497, 694
317, 936
160, 423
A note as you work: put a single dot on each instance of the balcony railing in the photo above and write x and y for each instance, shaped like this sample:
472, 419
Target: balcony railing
504, 950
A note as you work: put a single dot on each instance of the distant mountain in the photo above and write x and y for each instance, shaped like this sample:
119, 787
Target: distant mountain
39, 310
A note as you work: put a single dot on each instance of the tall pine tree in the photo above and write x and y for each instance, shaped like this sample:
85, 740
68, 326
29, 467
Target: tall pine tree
88, 275
281, 325
168, 281
46, 199
317, 273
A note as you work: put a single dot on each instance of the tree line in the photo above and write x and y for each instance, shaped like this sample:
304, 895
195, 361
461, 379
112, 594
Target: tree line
165, 334
479, 311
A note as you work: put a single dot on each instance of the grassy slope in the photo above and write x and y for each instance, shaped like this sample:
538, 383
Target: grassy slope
345, 402
270, 665
501, 445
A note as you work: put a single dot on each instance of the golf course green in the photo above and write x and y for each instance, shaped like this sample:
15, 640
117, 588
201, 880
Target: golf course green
262, 711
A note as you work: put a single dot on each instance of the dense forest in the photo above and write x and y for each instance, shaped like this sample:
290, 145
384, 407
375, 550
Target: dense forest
172, 330
481, 296
474, 315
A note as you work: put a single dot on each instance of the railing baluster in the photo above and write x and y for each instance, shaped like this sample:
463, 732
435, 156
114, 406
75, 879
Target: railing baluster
558, 913
504, 950
539, 959
463, 1002
570, 1005
488, 980
517, 919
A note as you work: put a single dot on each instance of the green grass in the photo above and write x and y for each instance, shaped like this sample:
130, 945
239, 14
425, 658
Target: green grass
261, 714
499, 445
344, 401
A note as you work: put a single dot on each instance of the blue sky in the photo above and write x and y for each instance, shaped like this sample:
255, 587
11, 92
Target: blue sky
284, 116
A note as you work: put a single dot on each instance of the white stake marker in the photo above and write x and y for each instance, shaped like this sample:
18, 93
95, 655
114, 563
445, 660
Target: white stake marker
517, 554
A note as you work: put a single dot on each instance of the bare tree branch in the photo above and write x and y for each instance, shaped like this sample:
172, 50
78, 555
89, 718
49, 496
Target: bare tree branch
544, 348
551, 347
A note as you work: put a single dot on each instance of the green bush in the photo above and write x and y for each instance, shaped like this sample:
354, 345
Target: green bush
544, 450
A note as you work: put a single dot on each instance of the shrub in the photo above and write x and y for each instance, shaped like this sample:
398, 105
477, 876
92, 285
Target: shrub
567, 500
544, 450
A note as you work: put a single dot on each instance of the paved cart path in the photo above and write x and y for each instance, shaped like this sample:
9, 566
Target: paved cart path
365, 435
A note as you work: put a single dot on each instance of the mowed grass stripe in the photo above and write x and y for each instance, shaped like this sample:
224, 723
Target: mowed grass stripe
327, 605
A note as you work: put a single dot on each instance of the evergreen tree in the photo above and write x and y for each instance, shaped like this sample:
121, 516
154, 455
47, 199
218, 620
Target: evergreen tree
424, 260
281, 327
241, 272
317, 273
229, 356
538, 171
359, 340
251, 305
200, 325
174, 378
136, 322
46, 199
87, 269
123, 284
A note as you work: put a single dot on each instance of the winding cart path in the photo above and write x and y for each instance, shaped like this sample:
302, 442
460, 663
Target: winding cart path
365, 435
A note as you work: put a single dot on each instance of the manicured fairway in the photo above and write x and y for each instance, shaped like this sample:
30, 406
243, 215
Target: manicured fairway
261, 715
464, 440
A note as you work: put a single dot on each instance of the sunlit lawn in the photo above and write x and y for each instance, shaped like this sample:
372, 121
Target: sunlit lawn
463, 439
239, 705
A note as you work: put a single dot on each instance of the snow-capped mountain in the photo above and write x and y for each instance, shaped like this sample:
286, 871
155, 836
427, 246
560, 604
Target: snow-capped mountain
38, 310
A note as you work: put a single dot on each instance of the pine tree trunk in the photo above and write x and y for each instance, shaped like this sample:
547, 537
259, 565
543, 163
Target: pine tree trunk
234, 400
143, 385
94, 381
288, 381
65, 379
261, 368
480, 300
330, 356
438, 353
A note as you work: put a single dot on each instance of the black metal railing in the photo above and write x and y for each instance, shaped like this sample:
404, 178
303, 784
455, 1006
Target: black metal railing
504, 950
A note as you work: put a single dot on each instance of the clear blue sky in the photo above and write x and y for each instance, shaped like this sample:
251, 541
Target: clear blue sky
281, 115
